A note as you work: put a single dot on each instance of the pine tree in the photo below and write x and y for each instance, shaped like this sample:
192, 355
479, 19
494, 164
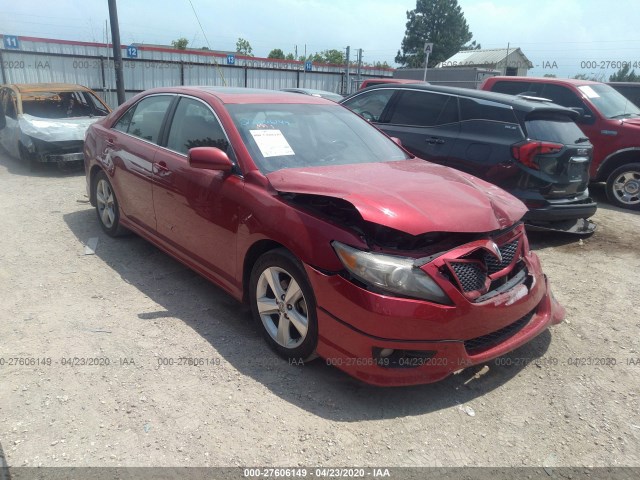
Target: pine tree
440, 22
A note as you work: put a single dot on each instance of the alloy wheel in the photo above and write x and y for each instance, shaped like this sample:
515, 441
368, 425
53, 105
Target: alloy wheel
282, 307
106, 203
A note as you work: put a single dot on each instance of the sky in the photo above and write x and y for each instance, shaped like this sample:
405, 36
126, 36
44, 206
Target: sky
560, 37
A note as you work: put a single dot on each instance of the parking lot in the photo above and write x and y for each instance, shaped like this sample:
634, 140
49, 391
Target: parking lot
125, 357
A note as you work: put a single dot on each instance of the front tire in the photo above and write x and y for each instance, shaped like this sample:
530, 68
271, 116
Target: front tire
283, 304
107, 207
623, 186
28, 158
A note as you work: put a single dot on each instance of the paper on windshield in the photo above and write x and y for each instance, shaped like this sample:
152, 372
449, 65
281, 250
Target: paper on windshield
272, 143
588, 91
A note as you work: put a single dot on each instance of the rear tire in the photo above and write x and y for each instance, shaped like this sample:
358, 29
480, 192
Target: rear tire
107, 207
623, 186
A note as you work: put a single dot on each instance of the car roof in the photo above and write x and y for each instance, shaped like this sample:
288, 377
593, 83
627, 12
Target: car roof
511, 100
309, 90
572, 81
235, 95
398, 81
46, 87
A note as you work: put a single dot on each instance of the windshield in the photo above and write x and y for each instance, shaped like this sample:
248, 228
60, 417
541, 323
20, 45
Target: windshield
305, 135
609, 101
77, 103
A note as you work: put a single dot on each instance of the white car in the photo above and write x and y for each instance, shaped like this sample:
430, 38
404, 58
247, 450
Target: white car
46, 122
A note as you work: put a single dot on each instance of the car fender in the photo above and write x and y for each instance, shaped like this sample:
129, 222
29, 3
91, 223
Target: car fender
616, 159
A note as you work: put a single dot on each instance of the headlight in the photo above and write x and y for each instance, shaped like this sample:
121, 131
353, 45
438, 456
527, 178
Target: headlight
390, 273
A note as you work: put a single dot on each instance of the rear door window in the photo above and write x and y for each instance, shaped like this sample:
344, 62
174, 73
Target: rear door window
478, 109
424, 109
562, 96
145, 118
510, 88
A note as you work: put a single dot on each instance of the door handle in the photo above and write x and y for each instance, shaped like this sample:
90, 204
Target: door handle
435, 141
160, 168
108, 145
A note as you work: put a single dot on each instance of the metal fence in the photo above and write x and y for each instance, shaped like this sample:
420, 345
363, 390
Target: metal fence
88, 64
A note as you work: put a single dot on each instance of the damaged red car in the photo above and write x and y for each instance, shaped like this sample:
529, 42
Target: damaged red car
393, 269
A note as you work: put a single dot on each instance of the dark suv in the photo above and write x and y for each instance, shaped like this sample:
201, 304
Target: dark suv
607, 117
532, 149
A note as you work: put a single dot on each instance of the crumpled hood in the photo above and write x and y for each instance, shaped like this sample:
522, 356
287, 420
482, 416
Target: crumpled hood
55, 129
413, 196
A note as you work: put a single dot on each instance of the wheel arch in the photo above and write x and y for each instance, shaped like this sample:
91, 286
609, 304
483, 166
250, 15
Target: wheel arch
615, 160
254, 252
93, 173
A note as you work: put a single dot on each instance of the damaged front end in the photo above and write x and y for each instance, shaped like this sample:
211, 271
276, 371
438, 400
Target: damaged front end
59, 152
416, 308
58, 141
479, 266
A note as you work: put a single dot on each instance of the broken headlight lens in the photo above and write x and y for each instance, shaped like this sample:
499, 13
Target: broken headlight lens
390, 273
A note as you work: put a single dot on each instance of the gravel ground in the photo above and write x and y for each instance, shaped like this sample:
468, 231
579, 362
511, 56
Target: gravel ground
136, 308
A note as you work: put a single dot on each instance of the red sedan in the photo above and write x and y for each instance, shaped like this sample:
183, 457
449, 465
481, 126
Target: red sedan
393, 269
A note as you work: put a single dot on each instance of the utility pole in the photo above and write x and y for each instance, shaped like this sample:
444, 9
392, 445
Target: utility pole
359, 72
117, 52
304, 74
348, 90
506, 59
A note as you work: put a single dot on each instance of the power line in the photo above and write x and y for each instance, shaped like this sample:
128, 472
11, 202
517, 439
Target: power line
224, 82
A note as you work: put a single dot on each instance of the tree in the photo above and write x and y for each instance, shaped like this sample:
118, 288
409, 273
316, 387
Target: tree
335, 57
472, 46
243, 47
276, 53
440, 22
180, 44
624, 75
592, 77
290, 56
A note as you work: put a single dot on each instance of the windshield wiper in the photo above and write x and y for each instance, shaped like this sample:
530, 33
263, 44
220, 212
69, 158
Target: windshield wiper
582, 140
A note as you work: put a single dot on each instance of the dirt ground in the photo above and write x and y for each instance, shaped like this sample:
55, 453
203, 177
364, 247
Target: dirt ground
138, 310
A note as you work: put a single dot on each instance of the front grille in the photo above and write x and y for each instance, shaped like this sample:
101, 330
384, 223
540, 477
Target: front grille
480, 344
507, 251
471, 275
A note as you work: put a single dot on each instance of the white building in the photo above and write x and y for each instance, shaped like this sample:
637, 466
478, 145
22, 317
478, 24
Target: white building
509, 61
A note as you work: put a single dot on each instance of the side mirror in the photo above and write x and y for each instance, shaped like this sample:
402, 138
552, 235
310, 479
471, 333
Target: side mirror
397, 140
209, 158
580, 111
584, 116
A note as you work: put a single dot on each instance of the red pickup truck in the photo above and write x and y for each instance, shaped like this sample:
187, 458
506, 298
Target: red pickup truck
610, 120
